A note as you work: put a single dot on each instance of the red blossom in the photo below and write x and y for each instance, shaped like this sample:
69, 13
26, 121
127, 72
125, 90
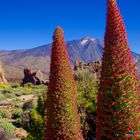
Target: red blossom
61, 97
119, 85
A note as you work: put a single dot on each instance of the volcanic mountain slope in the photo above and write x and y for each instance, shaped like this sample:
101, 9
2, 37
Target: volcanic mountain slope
86, 50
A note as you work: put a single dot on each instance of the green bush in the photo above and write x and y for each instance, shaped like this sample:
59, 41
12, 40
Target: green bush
41, 104
18, 92
84, 76
36, 129
87, 94
38, 90
24, 120
3, 113
8, 127
16, 85
5, 91
10, 95
2, 97
33, 121
28, 85
4, 86
87, 87
30, 118
15, 101
5, 136
17, 113
28, 105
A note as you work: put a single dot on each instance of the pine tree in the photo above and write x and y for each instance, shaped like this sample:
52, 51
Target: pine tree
63, 121
117, 105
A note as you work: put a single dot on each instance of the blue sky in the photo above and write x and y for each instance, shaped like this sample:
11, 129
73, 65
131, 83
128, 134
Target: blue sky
30, 23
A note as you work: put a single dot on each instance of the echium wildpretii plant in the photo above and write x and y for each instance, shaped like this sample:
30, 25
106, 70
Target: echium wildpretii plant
117, 106
63, 121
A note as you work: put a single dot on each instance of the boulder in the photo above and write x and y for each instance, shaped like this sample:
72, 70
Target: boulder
28, 76
78, 65
5, 102
2, 75
34, 77
94, 67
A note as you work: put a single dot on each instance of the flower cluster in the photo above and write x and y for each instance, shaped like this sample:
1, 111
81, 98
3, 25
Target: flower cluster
117, 105
63, 121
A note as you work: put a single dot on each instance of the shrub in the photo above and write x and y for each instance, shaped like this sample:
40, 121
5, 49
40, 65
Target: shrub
4, 86
84, 76
3, 113
5, 91
15, 101
8, 127
41, 107
28, 105
2, 97
15, 85
28, 85
24, 120
33, 122
87, 88
4, 135
17, 113
36, 128
9, 95
27, 91
39, 89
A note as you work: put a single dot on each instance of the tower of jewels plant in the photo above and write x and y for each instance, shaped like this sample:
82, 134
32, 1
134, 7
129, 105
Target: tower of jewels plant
63, 121
118, 97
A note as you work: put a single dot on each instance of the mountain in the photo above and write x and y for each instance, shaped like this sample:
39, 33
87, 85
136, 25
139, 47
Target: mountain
86, 50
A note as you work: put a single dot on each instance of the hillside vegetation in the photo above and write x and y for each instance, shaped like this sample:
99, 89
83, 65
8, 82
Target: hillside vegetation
22, 109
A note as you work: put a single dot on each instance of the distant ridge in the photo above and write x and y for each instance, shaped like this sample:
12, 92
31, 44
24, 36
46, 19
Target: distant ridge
86, 49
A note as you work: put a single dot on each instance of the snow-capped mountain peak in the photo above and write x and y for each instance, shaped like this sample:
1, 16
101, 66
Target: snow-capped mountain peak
86, 39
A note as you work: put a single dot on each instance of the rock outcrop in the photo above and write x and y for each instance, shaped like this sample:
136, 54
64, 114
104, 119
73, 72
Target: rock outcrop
78, 65
2, 75
36, 77
94, 67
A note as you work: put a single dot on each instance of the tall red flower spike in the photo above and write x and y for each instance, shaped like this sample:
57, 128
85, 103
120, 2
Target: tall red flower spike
63, 121
117, 105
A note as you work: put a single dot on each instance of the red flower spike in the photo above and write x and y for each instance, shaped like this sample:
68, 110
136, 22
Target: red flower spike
119, 91
63, 120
